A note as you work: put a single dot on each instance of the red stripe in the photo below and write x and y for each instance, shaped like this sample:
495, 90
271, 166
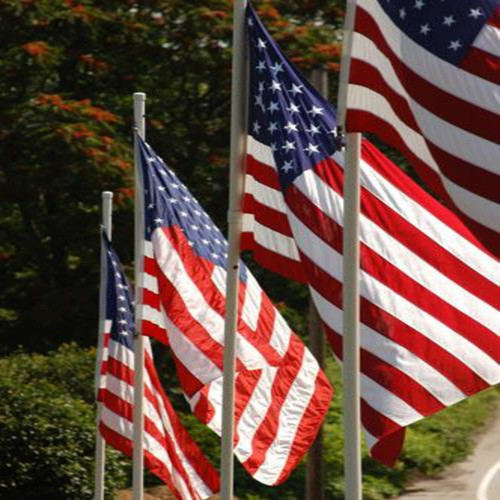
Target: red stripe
273, 261
261, 172
454, 110
277, 221
385, 272
484, 65
357, 121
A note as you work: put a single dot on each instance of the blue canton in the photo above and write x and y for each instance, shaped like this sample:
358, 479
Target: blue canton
168, 203
286, 112
446, 28
119, 299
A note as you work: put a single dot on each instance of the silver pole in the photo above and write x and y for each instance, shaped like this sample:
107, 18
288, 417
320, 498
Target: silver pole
351, 264
138, 437
100, 444
237, 168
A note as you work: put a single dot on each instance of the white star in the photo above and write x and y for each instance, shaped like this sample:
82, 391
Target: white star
288, 165
163, 172
475, 13
122, 298
261, 66
124, 333
194, 228
158, 220
197, 212
312, 148
313, 130
208, 227
273, 126
277, 68
275, 86
419, 4
448, 20
174, 185
259, 101
250, 22
122, 309
424, 29
172, 200
256, 127
316, 111
273, 106
261, 86
214, 255
184, 214
161, 188
273, 147
204, 241
291, 127
261, 44
186, 199
455, 45
217, 242
191, 244
293, 108
296, 89
402, 13
123, 322
288, 146
120, 286
151, 160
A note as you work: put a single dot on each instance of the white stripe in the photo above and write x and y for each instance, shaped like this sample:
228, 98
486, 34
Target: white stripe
394, 304
452, 139
252, 303
393, 353
381, 242
260, 153
489, 40
265, 195
370, 439
150, 283
148, 249
370, 101
153, 315
280, 338
290, 416
387, 403
199, 309
273, 240
440, 73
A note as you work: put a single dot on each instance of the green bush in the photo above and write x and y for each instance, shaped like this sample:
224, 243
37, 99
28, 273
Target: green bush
47, 429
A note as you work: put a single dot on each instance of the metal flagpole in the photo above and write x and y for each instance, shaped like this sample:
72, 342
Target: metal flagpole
237, 166
138, 436
315, 487
350, 278
100, 444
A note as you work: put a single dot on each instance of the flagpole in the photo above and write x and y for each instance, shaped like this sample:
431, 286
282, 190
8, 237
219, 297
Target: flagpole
237, 166
350, 278
138, 434
100, 444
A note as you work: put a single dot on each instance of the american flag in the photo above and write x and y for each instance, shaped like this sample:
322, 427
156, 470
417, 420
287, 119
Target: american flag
429, 292
281, 393
169, 451
425, 78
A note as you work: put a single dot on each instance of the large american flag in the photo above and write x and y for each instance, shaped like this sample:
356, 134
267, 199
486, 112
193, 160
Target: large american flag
429, 292
169, 451
281, 394
425, 78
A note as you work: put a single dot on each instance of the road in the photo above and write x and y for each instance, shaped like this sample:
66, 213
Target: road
477, 478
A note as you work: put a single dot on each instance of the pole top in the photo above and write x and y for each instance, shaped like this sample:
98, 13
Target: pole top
139, 96
107, 194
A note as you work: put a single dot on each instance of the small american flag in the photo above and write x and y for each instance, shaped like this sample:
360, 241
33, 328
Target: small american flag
169, 451
281, 393
429, 292
425, 78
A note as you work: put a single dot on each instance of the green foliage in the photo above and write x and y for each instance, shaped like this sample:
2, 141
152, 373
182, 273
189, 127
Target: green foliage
47, 430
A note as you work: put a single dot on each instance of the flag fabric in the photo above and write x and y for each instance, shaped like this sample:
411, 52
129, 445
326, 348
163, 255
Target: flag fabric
425, 77
429, 292
281, 394
169, 451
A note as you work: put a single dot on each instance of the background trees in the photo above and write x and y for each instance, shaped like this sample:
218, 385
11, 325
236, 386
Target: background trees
68, 71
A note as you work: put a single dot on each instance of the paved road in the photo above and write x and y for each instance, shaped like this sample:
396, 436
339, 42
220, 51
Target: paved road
477, 478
